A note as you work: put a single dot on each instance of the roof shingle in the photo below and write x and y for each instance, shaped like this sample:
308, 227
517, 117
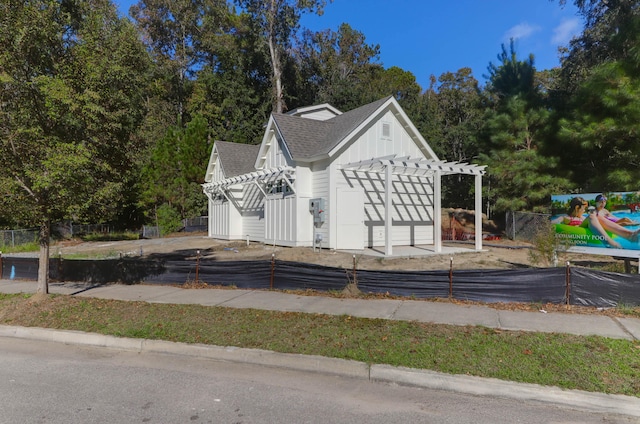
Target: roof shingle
237, 158
306, 138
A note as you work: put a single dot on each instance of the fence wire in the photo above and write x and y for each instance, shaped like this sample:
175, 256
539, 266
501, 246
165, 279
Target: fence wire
12, 238
524, 226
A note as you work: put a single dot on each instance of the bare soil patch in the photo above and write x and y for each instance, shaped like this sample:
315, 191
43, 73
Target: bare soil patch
497, 254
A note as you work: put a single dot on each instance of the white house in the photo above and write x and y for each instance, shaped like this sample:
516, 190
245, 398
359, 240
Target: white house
335, 180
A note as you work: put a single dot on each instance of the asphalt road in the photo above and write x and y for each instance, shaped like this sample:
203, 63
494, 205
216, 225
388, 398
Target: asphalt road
43, 382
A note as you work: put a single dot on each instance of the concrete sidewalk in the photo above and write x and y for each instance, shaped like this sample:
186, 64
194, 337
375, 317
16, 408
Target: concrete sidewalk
392, 309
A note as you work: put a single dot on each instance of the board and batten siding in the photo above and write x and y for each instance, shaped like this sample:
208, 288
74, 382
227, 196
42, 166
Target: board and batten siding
219, 219
412, 196
280, 219
281, 222
218, 208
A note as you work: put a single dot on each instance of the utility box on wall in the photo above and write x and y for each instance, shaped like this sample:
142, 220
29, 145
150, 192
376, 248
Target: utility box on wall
316, 207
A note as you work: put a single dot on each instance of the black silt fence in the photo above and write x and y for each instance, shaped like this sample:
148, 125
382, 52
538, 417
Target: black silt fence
530, 285
535, 285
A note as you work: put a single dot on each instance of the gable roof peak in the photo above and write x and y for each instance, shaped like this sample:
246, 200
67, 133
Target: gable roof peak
236, 158
309, 137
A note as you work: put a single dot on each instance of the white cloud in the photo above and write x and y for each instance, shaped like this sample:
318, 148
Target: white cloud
564, 32
520, 31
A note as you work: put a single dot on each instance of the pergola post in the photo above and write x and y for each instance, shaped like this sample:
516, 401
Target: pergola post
388, 211
478, 212
437, 211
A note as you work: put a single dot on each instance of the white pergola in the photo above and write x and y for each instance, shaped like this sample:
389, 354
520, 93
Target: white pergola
392, 165
285, 173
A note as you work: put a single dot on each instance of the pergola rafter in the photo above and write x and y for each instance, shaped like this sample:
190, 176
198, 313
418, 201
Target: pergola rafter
400, 166
285, 173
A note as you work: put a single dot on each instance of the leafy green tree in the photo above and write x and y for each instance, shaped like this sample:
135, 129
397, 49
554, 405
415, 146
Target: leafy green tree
511, 77
520, 177
233, 91
608, 35
168, 219
174, 171
277, 21
460, 111
171, 31
460, 118
339, 66
603, 129
425, 114
70, 99
599, 125
396, 82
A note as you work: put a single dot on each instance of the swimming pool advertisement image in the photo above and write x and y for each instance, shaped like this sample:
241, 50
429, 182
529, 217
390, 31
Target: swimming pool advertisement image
598, 221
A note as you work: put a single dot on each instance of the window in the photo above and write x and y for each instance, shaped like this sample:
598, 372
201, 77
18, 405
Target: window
278, 187
218, 197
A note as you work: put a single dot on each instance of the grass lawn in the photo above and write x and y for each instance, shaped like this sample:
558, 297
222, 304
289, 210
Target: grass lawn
594, 364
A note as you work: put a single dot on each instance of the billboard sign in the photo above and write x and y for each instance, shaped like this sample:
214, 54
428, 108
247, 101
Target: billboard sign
598, 223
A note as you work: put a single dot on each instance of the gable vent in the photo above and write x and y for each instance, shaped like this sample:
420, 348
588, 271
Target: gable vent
386, 130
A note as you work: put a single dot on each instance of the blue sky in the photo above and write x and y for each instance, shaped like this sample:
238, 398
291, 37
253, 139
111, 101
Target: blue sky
430, 37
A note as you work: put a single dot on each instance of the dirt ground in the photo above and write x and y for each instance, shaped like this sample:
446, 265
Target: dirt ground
496, 254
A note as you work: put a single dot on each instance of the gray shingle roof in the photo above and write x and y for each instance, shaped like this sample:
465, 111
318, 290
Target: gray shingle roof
237, 158
306, 138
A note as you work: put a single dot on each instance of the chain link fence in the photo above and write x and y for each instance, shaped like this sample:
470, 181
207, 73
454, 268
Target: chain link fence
524, 226
12, 238
150, 231
199, 221
69, 229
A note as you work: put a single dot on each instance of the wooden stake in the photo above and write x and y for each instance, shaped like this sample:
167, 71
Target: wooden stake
568, 283
273, 266
451, 278
355, 278
197, 265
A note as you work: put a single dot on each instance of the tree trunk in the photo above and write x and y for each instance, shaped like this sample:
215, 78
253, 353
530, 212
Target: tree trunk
278, 101
43, 265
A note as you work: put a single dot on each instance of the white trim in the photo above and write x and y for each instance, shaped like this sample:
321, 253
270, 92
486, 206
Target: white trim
212, 164
311, 109
437, 216
388, 211
478, 207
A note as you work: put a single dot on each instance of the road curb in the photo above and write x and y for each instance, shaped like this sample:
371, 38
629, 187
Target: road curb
481, 386
575, 399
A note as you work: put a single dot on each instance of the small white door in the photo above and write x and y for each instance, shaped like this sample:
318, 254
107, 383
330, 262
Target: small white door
350, 219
